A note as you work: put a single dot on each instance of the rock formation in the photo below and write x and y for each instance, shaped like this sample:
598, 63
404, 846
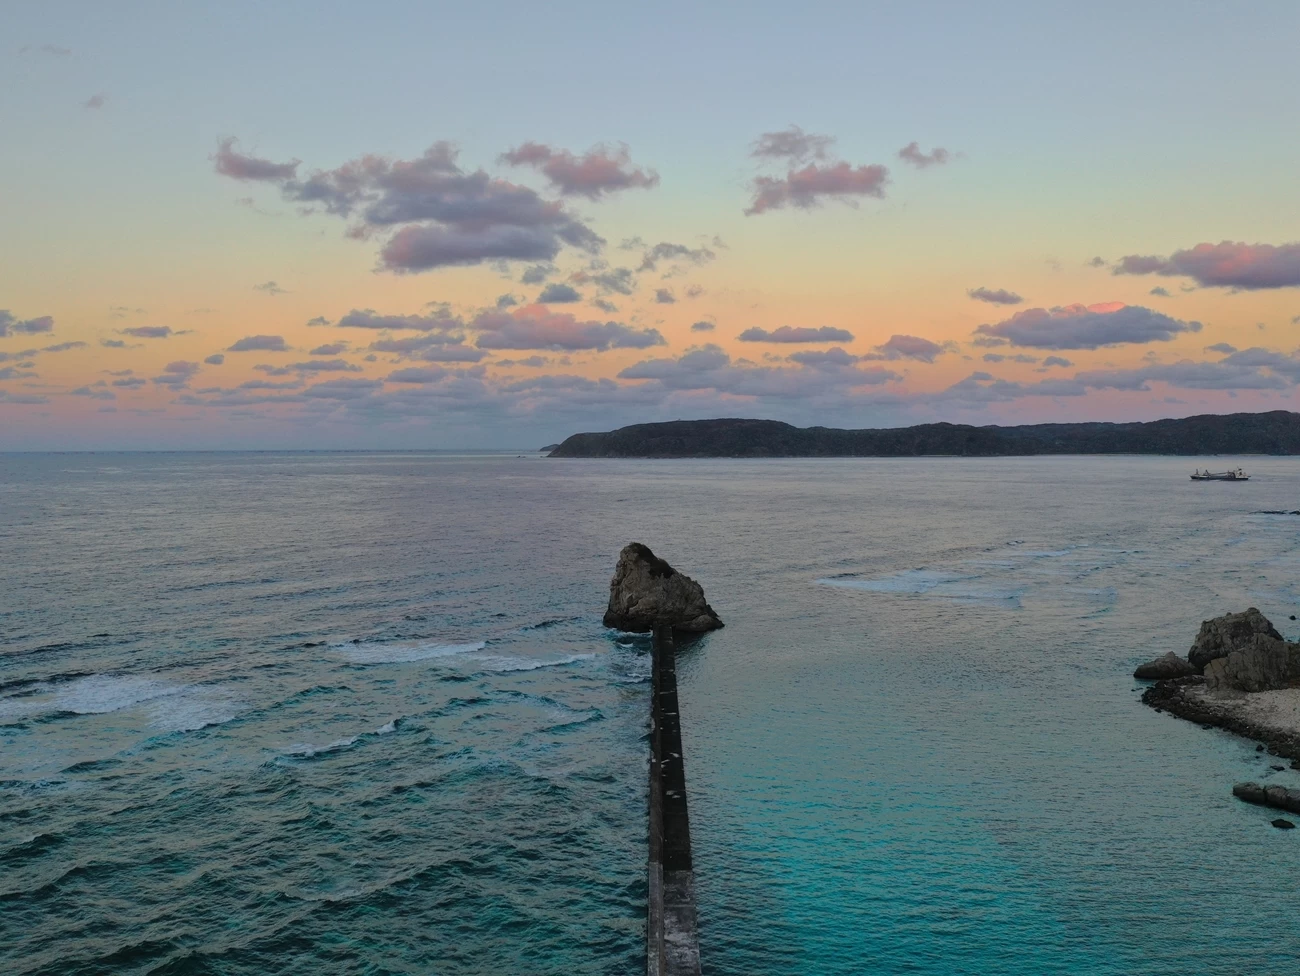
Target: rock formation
1166, 666
1223, 635
1258, 663
646, 593
1277, 797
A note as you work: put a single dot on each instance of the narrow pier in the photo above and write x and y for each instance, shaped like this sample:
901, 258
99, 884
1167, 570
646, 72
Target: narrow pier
672, 941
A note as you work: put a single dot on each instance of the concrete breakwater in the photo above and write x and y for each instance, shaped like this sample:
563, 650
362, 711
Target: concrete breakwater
672, 940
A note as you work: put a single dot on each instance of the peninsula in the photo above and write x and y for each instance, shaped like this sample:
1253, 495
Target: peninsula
1275, 432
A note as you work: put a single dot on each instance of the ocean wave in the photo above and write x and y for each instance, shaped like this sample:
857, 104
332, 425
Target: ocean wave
171, 707
381, 653
501, 663
311, 751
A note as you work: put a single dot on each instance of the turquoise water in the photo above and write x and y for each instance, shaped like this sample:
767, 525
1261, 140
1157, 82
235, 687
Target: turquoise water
356, 714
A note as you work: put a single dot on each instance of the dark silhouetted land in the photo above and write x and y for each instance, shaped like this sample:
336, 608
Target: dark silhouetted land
1276, 432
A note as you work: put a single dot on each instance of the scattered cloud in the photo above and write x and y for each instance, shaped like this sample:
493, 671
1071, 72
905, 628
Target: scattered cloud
270, 288
216, 359
792, 145
909, 347
1087, 327
10, 325
368, 318
150, 332
330, 349
599, 171
506, 301
1097, 262
416, 374
1228, 264
1159, 292
620, 280
1057, 361
558, 293
260, 343
702, 326
177, 375
667, 251
912, 155
822, 358
536, 274
808, 187
605, 306
536, 327
801, 333
997, 357
435, 213
710, 368
230, 162
93, 394
325, 366
95, 102
431, 347
998, 296
112, 343
664, 296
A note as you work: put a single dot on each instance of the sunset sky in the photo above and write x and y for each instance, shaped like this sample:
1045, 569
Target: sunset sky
327, 225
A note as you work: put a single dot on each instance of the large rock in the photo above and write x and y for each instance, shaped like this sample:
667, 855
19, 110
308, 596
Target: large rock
1223, 635
1166, 666
1274, 795
1259, 663
646, 593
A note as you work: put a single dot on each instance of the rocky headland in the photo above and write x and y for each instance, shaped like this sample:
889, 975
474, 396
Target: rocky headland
1239, 675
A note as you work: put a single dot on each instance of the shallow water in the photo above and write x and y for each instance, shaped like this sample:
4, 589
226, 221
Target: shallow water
347, 713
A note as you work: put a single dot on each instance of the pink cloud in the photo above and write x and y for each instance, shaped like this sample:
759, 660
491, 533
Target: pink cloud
808, 187
599, 171
1228, 264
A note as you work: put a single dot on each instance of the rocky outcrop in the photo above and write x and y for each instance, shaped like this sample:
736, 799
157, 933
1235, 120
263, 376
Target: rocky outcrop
1223, 635
1258, 663
1166, 666
647, 593
1277, 797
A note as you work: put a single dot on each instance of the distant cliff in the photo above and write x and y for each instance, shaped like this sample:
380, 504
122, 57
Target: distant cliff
1276, 432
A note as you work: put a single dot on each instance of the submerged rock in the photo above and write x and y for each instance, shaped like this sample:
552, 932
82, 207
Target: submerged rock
1278, 797
1166, 666
1281, 824
1223, 635
646, 593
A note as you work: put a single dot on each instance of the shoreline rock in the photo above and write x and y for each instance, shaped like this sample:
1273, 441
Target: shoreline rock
1273, 796
647, 593
1187, 699
1166, 666
1220, 636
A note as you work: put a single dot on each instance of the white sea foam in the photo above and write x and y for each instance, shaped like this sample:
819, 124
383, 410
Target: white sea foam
307, 751
193, 708
381, 653
170, 706
502, 663
387, 729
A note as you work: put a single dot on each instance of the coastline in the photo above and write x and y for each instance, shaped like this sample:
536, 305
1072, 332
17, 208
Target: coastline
1271, 718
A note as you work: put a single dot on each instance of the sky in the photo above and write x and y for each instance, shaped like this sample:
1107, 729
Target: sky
410, 225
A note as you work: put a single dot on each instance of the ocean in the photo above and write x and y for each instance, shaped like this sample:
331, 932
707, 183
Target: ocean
355, 713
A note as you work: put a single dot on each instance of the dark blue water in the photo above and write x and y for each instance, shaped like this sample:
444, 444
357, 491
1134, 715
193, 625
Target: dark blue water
357, 714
